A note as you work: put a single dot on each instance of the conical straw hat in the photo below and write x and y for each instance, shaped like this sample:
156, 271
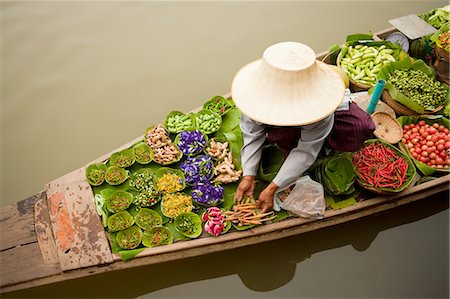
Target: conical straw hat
287, 87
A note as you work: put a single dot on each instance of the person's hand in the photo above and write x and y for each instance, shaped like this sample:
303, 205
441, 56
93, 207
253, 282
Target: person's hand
246, 187
265, 199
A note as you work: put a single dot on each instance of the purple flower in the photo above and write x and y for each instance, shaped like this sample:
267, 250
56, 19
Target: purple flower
197, 169
207, 193
191, 142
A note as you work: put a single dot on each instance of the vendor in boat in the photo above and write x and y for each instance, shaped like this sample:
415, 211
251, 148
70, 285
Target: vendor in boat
288, 98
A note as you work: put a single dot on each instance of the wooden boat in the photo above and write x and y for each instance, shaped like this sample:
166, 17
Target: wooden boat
56, 234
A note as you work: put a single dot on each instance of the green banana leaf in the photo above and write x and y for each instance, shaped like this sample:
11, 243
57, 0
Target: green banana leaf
229, 190
405, 63
336, 173
230, 131
271, 160
127, 255
359, 37
175, 233
281, 215
336, 205
429, 119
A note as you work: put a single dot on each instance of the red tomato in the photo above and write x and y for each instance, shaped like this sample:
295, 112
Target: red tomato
432, 156
421, 123
440, 147
447, 145
436, 125
439, 161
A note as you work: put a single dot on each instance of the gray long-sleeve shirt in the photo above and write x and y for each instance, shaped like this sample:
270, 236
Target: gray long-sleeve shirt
298, 160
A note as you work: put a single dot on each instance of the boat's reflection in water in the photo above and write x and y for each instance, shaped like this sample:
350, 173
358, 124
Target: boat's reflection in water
262, 267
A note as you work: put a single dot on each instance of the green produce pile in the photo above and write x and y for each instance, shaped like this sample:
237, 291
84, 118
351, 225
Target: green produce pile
419, 87
437, 17
363, 62
178, 122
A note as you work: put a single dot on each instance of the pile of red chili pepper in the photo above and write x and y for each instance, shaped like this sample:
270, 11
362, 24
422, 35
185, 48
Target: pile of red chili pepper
380, 167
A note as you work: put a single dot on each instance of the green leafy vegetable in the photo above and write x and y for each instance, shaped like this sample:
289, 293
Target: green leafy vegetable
119, 201
95, 174
120, 221
124, 158
336, 173
129, 238
157, 236
188, 224
143, 153
147, 218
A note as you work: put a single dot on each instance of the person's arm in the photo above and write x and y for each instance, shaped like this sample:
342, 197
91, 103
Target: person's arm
254, 135
298, 161
303, 156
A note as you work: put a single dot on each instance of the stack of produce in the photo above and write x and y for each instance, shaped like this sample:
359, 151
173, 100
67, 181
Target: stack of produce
363, 62
429, 144
437, 17
225, 171
142, 182
177, 122
164, 150
382, 168
218, 104
214, 221
244, 214
419, 87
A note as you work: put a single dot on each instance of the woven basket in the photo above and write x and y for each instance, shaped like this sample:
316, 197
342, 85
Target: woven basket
402, 110
354, 86
399, 108
441, 64
387, 128
372, 189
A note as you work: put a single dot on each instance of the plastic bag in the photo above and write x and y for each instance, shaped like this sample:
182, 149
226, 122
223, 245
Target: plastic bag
306, 199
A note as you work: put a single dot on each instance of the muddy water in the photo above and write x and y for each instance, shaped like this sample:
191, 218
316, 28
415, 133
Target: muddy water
79, 79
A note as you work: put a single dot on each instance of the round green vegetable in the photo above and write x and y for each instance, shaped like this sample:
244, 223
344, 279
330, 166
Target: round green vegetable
129, 238
119, 201
188, 224
147, 218
143, 153
120, 221
207, 121
95, 174
124, 158
419, 87
116, 175
157, 236
177, 122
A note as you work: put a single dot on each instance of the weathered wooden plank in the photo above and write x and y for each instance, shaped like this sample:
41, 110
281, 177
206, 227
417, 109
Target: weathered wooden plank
17, 223
79, 235
43, 229
24, 263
